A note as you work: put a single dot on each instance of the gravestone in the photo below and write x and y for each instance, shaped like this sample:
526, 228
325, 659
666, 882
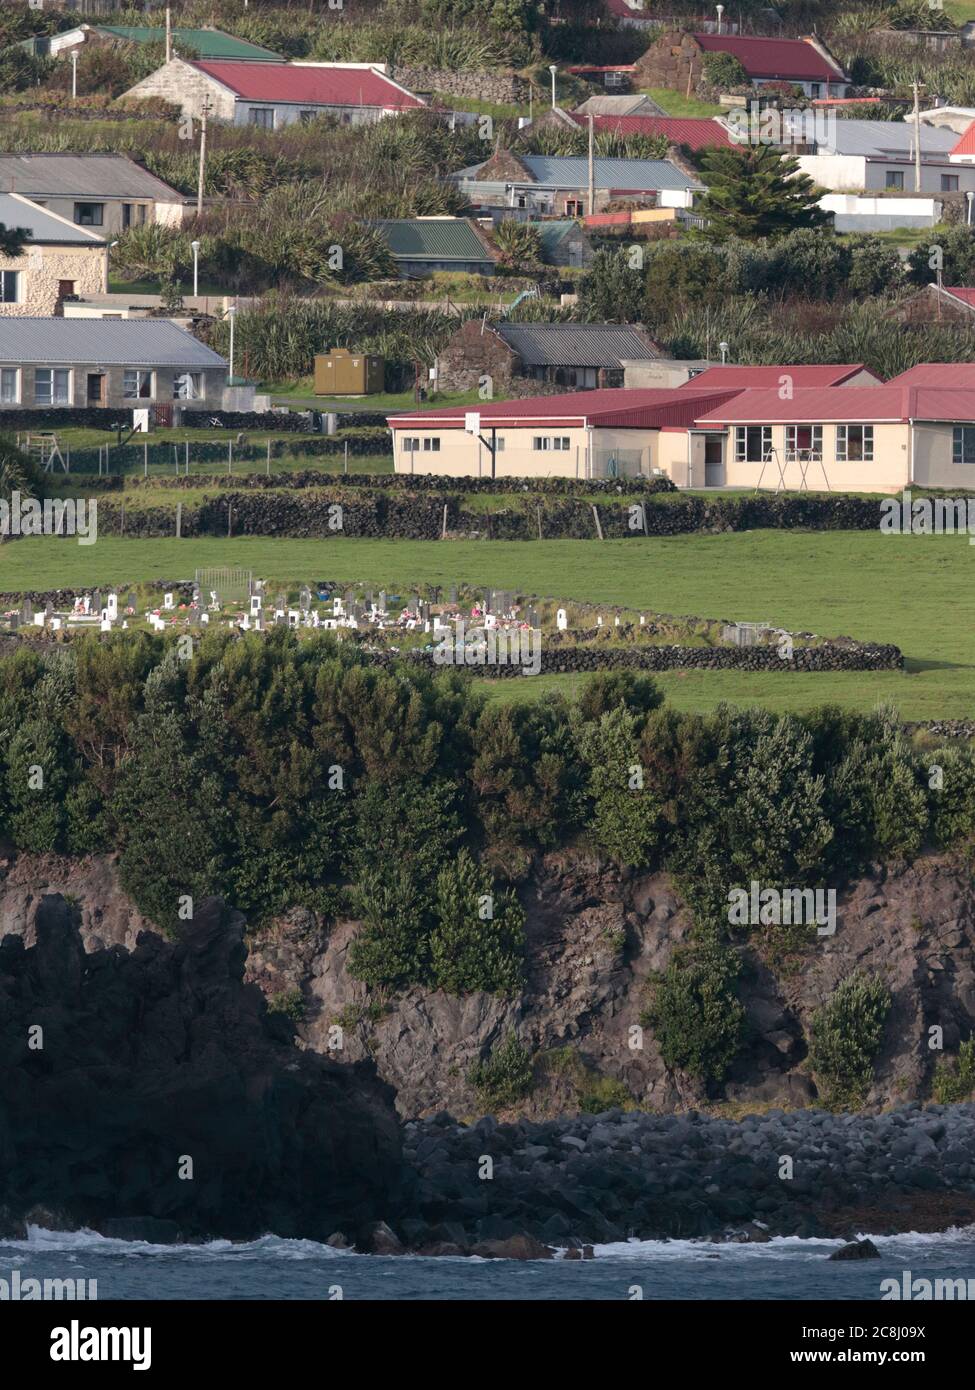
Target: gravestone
111, 606
48, 611
128, 603
168, 601
561, 620
453, 593
96, 601
256, 604
382, 600
304, 599
27, 611
534, 618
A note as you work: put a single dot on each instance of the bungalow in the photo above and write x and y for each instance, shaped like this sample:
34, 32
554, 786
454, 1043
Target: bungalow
121, 364
630, 104
107, 193
558, 185
676, 59
694, 132
272, 95
59, 260
842, 436
865, 156
631, 14
583, 355
421, 245
743, 378
202, 43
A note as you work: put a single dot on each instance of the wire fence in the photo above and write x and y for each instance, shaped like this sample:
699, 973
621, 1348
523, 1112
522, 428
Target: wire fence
249, 456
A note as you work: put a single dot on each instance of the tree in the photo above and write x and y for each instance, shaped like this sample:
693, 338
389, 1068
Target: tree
845, 1037
478, 941
753, 192
518, 243
948, 249
723, 72
612, 290
694, 1011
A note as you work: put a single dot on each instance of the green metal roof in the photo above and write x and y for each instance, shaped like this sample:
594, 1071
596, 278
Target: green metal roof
208, 43
551, 233
434, 238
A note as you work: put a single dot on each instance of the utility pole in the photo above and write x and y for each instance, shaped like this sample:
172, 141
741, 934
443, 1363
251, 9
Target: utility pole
169, 34
592, 168
917, 139
204, 112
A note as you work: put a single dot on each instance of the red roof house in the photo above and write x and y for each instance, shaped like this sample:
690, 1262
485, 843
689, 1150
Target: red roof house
742, 378
696, 132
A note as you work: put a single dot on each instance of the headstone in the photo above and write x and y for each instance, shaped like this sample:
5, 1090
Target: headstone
49, 610
255, 605
490, 620
534, 618
382, 600
128, 603
453, 593
55, 624
304, 599
599, 621
111, 606
642, 620
561, 620
14, 622
294, 617
338, 608
96, 601
27, 611
169, 600
617, 622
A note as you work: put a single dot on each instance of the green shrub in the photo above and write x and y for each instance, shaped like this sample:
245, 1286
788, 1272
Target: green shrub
844, 1040
506, 1077
478, 940
954, 1080
624, 820
696, 1016
290, 1002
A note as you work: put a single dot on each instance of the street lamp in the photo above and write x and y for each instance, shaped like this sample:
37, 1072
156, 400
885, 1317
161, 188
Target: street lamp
724, 352
74, 73
968, 217
231, 315
195, 248
720, 10
553, 69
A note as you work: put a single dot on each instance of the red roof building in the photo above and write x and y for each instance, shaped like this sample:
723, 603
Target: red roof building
618, 408
953, 375
896, 403
777, 60
696, 132
742, 378
965, 148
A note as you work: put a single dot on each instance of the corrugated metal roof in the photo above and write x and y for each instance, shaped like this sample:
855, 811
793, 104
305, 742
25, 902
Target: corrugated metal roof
644, 175
649, 408
622, 104
433, 238
109, 342
311, 84
208, 43
743, 378
551, 234
885, 138
776, 58
954, 375
697, 132
42, 227
966, 143
575, 344
81, 176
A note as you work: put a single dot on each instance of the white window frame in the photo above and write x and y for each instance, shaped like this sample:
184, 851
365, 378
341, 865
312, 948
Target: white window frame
815, 451
6, 298
254, 111
197, 386
52, 373
843, 444
431, 444
139, 373
5, 374
548, 443
891, 177
741, 443
962, 443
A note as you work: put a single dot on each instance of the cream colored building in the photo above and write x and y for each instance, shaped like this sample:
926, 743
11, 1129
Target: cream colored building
59, 261
835, 438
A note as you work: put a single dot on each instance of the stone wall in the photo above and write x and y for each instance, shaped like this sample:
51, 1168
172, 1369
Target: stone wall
674, 59
470, 354
42, 268
502, 87
185, 87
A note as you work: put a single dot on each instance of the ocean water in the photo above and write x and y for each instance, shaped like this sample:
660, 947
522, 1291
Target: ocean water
273, 1268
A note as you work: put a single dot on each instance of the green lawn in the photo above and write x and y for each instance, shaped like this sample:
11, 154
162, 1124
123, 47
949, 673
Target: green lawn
676, 104
918, 592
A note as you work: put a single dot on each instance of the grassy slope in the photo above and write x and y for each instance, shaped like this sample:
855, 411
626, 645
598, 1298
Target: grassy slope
677, 104
917, 592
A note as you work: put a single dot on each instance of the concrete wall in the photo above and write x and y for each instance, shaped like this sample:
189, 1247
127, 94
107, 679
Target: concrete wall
41, 270
213, 382
933, 466
888, 472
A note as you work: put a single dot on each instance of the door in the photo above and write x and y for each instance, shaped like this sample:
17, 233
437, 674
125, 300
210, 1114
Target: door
95, 395
65, 289
714, 460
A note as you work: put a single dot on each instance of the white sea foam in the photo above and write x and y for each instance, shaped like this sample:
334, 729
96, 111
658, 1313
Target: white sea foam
41, 1241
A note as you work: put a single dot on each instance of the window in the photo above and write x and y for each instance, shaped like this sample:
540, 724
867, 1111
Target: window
306, 117
544, 442
949, 183
963, 443
573, 207
432, 446
499, 444
804, 442
894, 178
413, 445
815, 90
136, 384
10, 287
10, 386
261, 116
133, 215
89, 214
854, 443
52, 386
188, 386
752, 443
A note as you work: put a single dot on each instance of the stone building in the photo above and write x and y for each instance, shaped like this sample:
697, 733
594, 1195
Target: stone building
937, 304
521, 358
59, 261
676, 60
107, 193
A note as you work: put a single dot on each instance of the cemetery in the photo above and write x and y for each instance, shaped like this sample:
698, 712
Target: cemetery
461, 624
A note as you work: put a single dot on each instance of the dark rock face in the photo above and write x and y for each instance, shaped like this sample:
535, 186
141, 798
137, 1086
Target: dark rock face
160, 1063
857, 1250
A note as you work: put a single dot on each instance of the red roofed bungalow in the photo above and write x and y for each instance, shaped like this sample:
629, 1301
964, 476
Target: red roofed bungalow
964, 151
743, 377
805, 62
272, 95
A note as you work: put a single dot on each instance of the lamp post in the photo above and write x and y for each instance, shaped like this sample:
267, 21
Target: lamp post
553, 69
968, 199
231, 315
724, 353
720, 10
74, 74
195, 248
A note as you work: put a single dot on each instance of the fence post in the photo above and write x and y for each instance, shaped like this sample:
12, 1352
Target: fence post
230, 513
345, 468
230, 455
145, 460
269, 458
67, 459
187, 457
595, 513
176, 460
179, 519
122, 519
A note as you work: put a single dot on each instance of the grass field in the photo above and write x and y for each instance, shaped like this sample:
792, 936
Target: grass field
676, 104
918, 592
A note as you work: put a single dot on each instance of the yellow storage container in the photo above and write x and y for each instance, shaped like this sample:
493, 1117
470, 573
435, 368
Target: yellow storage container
344, 373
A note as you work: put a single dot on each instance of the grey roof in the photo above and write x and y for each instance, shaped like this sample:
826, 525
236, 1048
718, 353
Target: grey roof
81, 176
893, 139
575, 344
634, 104
570, 172
105, 342
43, 228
